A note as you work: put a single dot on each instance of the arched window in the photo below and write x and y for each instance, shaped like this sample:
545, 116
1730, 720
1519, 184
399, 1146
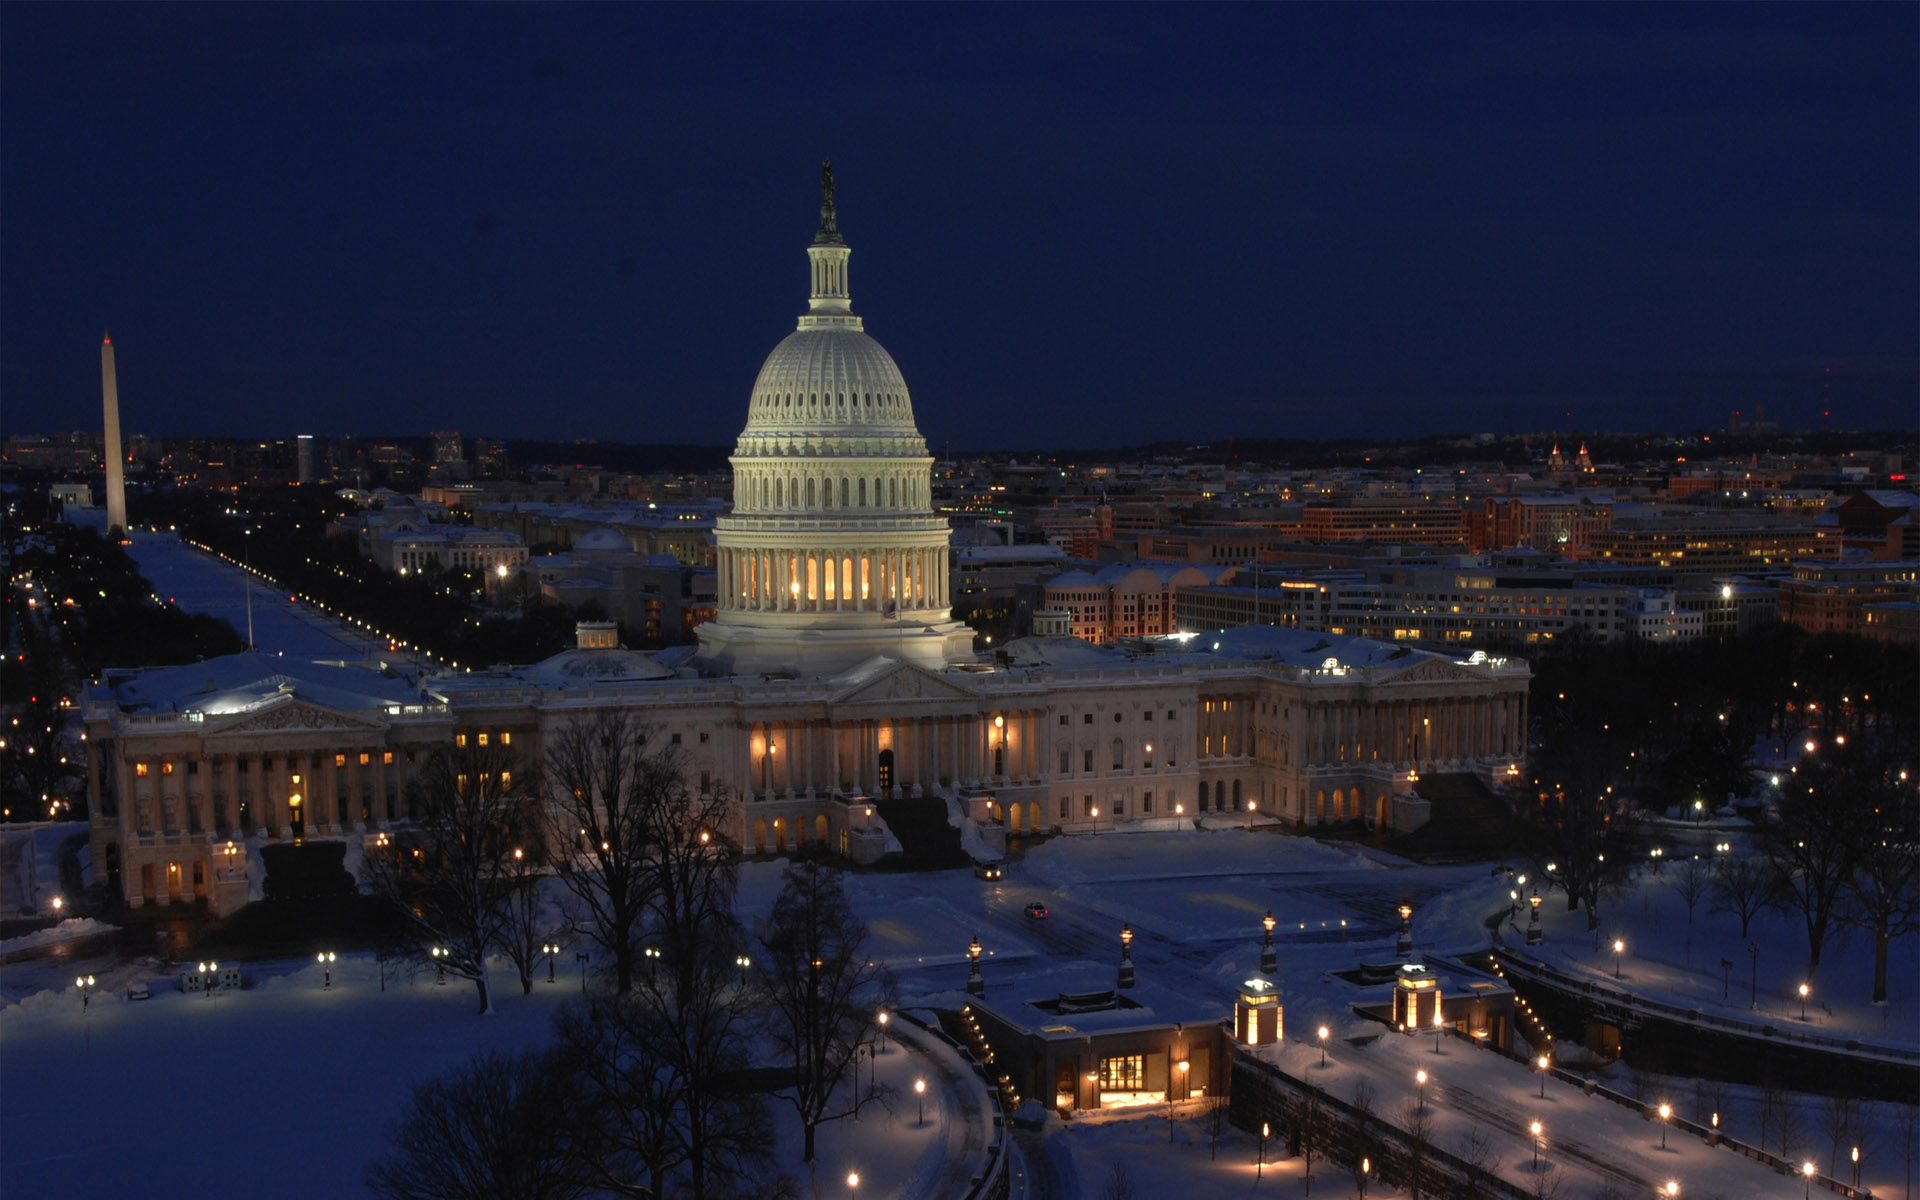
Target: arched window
779, 493
892, 500
843, 492
863, 493
1220, 795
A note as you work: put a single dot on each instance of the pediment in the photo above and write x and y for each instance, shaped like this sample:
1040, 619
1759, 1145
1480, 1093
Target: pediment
1432, 670
904, 682
291, 714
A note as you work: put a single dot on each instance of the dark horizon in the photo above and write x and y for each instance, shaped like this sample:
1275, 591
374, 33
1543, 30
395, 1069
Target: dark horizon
1095, 225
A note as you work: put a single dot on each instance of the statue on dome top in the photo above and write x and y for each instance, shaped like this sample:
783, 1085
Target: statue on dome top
829, 225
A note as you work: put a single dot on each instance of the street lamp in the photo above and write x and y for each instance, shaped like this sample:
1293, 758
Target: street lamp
1269, 961
975, 984
1404, 946
207, 972
1666, 1112
85, 984
652, 955
920, 1094
1439, 1023
1262, 1168
1672, 1188
882, 1017
1753, 984
1806, 1169
1619, 947
326, 960
581, 957
440, 961
1366, 1169
853, 1185
1534, 1129
1856, 1168
1534, 935
1126, 956
1323, 1046
1420, 1077
1543, 1062
1726, 977
1803, 1002
550, 949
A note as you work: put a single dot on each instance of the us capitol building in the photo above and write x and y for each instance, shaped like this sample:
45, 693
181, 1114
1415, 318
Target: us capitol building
833, 679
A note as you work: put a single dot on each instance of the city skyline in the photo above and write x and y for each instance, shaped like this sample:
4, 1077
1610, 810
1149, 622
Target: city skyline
1091, 226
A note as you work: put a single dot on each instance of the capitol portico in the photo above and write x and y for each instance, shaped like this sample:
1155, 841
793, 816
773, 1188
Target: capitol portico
832, 681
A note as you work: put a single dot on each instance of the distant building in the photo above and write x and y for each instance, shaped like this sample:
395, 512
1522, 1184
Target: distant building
1830, 597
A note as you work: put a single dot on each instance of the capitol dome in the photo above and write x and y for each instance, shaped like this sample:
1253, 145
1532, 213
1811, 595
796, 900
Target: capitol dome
832, 552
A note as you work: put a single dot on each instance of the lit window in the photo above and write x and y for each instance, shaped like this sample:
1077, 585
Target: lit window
166, 768
482, 739
365, 758
386, 758
460, 739
140, 769
506, 738
339, 760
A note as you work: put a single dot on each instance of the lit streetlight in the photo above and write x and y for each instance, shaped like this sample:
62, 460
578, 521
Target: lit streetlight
1366, 1169
326, 961
439, 954
1439, 1024
1806, 1169
853, 1185
1672, 1188
1261, 1169
1803, 1001
1666, 1113
920, 1094
550, 949
1323, 1046
1856, 1168
1543, 1062
1269, 960
1420, 1077
1619, 948
1534, 1129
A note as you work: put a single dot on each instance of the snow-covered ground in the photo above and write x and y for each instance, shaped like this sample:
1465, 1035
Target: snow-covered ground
1668, 957
161, 1095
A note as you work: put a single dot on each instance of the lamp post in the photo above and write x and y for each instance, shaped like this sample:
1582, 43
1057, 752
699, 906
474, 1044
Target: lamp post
1619, 947
581, 957
1856, 1168
440, 961
1126, 956
1806, 1169
1269, 960
975, 984
85, 984
1420, 1077
1261, 1169
1803, 1002
1534, 933
1672, 1189
920, 1094
1534, 1129
1726, 977
551, 950
1753, 982
325, 959
881, 1018
1543, 1062
1439, 1024
1666, 1112
853, 1185
1404, 946
1323, 1031
652, 955
1366, 1169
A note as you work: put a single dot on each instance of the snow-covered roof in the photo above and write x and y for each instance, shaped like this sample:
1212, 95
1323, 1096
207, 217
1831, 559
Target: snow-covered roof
238, 682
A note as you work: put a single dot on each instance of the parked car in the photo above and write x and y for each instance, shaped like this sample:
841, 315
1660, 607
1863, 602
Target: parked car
987, 870
1036, 910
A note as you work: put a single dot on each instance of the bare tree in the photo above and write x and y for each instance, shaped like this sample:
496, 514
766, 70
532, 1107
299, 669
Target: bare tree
449, 875
1907, 1120
821, 986
631, 1095
1417, 1122
496, 1128
1840, 1122
1691, 882
602, 781
1744, 884
1118, 1186
1545, 1183
525, 925
1815, 841
1883, 891
1480, 1151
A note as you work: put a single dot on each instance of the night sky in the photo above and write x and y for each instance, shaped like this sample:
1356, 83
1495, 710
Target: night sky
1072, 226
